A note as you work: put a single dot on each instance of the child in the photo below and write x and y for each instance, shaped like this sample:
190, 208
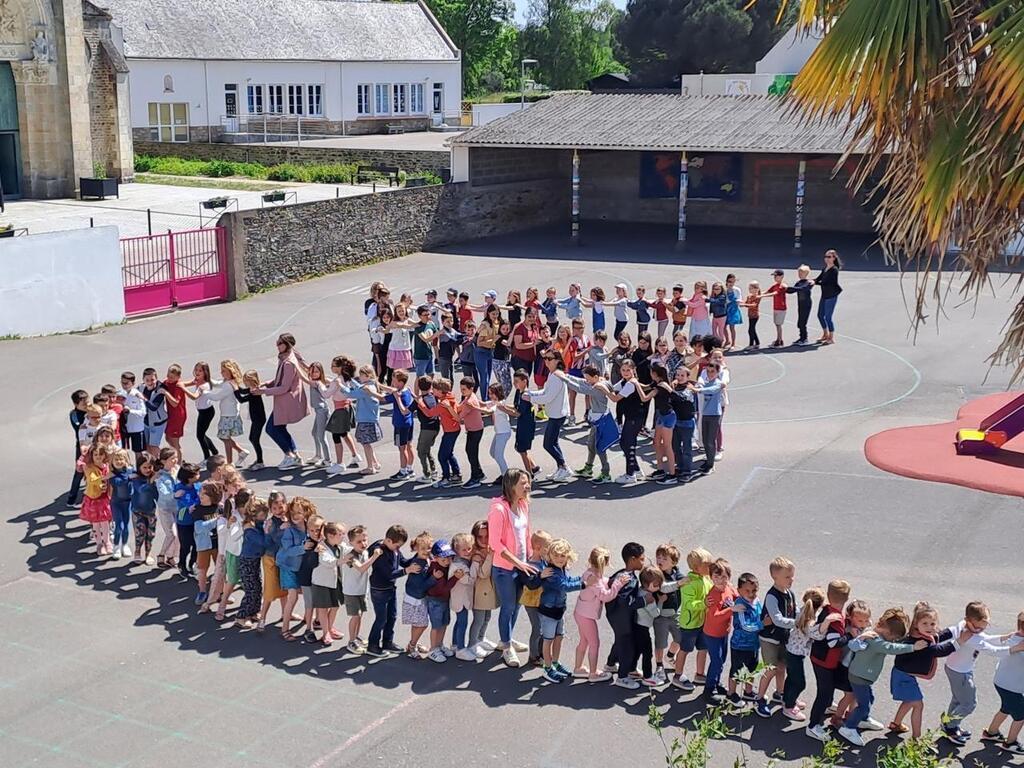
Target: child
526, 423
401, 422
798, 646
175, 397
204, 528
89, 426
530, 598
920, 664
597, 355
549, 308
684, 403
96, 500
310, 559
666, 623
641, 307
274, 527
257, 414
621, 613
438, 598
355, 583
133, 413
430, 428
367, 401
167, 507
342, 418
620, 304
661, 308
467, 352
596, 592
1009, 684
665, 423
144, 497
651, 583
678, 306
596, 304
746, 629
289, 559
78, 417
318, 400
414, 608
469, 414
733, 316
802, 289
829, 640
717, 623
604, 432
461, 603
234, 533
485, 598
555, 585
186, 496
693, 595
573, 303
778, 293
870, 650
718, 304
445, 410
388, 566
753, 304
500, 413
325, 580
779, 617
858, 620
449, 340
250, 555
697, 306
121, 501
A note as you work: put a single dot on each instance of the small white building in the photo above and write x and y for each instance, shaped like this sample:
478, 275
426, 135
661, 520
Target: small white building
199, 69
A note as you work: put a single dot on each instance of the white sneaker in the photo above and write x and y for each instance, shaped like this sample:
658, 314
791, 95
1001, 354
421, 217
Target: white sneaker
126, 551
481, 651
150, 560
488, 645
852, 736
256, 466
437, 655
286, 463
659, 676
519, 647
817, 732
448, 652
627, 479
242, 456
510, 658
626, 682
355, 463
465, 654
718, 456
117, 553
334, 469
870, 724
563, 475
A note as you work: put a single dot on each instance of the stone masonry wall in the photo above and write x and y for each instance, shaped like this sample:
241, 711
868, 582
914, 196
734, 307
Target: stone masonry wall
274, 246
103, 113
271, 154
502, 165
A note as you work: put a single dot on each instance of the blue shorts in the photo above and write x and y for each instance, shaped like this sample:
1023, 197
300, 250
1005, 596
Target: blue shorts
289, 579
439, 612
691, 639
155, 435
904, 687
403, 436
577, 372
551, 628
665, 420
1011, 703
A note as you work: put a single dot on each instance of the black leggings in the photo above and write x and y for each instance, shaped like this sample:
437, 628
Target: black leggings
187, 547
755, 341
255, 430
627, 441
473, 438
202, 425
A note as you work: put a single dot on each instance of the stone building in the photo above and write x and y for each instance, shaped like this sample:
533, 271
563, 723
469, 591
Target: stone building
63, 98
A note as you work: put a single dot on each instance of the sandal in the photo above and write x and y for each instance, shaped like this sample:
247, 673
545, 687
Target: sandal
288, 637
895, 727
219, 616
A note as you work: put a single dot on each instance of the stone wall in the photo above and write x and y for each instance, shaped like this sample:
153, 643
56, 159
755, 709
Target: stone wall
271, 154
503, 165
274, 246
102, 106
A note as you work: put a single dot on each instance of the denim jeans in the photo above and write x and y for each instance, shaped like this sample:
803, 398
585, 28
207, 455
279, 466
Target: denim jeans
682, 446
508, 588
826, 308
459, 630
717, 649
865, 698
483, 359
121, 512
423, 367
551, 432
446, 455
385, 612
279, 434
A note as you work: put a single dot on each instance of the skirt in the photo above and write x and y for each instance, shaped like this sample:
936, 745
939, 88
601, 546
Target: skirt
415, 613
229, 426
326, 597
233, 575
368, 433
733, 316
96, 510
700, 327
400, 359
501, 371
271, 579
341, 421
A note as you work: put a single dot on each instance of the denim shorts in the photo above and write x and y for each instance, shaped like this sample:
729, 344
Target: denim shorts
665, 420
439, 612
904, 687
289, 579
551, 628
691, 639
155, 435
403, 435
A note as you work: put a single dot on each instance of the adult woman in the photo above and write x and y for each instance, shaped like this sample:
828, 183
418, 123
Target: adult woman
524, 341
508, 539
828, 281
555, 399
486, 339
290, 405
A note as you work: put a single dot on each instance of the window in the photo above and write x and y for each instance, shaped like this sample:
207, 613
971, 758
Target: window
275, 99
254, 94
168, 84
381, 98
295, 99
416, 98
314, 104
438, 98
363, 106
168, 121
399, 103
231, 99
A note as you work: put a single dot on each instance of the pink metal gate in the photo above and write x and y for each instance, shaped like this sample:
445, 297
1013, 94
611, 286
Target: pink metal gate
176, 269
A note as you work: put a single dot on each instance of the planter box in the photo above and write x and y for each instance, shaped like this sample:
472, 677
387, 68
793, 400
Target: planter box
7, 233
273, 197
415, 183
213, 205
101, 188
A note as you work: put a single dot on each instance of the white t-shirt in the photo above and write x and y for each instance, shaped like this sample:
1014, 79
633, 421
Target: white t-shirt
224, 395
203, 401
234, 535
519, 523
502, 425
222, 535
352, 581
401, 339
625, 388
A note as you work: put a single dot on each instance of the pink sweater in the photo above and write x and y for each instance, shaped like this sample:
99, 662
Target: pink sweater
699, 305
593, 598
501, 533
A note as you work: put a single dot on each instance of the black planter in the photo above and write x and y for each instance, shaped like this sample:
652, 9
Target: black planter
415, 182
101, 188
213, 205
7, 233
273, 197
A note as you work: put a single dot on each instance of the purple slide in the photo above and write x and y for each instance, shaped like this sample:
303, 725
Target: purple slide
1008, 419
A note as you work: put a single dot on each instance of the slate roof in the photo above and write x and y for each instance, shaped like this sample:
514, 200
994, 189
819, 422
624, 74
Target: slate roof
280, 30
628, 121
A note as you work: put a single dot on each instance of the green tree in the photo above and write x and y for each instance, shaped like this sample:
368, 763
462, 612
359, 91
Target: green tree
483, 31
571, 40
661, 39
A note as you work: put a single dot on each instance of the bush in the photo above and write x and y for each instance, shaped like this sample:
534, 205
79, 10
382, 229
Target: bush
144, 163
219, 169
287, 172
330, 174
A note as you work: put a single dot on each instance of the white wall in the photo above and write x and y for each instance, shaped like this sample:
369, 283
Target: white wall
201, 84
789, 55
725, 85
60, 281
485, 113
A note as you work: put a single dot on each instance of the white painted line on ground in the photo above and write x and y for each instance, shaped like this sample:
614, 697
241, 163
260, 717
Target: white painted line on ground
356, 738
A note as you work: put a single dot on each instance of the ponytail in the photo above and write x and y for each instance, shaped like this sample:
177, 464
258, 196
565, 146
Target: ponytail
812, 599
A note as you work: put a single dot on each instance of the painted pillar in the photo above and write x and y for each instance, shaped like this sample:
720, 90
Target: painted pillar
798, 223
684, 190
575, 197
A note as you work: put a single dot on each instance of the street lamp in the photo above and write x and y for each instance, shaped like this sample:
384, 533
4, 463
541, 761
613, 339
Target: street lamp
522, 80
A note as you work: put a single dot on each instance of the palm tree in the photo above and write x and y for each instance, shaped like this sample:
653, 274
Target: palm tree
933, 91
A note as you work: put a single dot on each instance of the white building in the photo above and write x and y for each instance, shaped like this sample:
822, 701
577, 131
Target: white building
202, 68
786, 58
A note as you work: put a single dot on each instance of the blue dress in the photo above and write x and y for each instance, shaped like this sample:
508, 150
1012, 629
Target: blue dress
733, 316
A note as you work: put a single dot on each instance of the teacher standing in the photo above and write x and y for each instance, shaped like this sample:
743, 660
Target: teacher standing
290, 405
828, 281
508, 538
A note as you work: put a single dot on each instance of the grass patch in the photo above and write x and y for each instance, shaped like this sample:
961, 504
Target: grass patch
240, 185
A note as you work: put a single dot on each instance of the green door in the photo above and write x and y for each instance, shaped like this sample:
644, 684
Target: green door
10, 155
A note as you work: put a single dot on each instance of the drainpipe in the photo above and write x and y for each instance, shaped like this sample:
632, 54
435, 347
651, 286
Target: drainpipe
206, 90
341, 101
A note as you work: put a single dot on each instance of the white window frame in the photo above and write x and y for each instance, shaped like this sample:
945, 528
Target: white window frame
364, 99
416, 104
276, 95
172, 130
382, 98
399, 98
437, 92
254, 98
315, 99
296, 99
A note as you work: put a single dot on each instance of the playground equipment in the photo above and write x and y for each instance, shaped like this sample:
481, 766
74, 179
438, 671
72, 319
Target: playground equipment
994, 431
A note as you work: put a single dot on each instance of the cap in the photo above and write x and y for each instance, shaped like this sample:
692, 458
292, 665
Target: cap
778, 273
490, 294
431, 292
441, 548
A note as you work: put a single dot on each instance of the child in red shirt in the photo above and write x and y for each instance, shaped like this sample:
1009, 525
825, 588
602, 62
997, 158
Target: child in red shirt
717, 623
176, 414
446, 411
778, 293
470, 414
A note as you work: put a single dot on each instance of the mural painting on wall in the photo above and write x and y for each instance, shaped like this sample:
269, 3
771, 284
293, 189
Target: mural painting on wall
711, 177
